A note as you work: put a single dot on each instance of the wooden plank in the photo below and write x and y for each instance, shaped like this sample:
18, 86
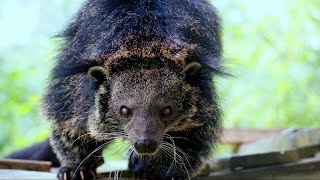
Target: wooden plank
309, 151
217, 165
44, 166
239, 136
266, 159
287, 140
308, 169
251, 161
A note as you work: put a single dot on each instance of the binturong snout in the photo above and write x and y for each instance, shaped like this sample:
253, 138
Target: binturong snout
144, 146
145, 135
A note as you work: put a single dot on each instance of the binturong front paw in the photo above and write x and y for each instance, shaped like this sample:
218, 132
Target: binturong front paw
82, 173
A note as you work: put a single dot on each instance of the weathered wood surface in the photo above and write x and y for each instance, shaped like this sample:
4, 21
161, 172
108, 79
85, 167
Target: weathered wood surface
262, 159
307, 169
238, 136
288, 139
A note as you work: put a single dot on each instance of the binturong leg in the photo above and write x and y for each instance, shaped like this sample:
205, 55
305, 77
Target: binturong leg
79, 159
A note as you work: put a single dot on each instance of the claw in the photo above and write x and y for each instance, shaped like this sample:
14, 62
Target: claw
65, 176
81, 175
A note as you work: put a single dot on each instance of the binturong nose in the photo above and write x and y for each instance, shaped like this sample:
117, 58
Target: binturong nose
147, 146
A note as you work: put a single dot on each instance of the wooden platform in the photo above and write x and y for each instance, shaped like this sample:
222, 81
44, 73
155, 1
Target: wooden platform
307, 169
291, 155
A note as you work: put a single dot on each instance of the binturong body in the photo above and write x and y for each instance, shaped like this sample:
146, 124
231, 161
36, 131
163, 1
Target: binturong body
140, 70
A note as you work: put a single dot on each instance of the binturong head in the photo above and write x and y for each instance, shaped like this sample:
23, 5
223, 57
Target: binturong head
143, 104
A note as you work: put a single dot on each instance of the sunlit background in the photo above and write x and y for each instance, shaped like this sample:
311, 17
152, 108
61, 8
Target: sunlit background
272, 48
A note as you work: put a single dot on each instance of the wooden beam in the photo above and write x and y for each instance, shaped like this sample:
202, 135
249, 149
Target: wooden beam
236, 136
303, 169
44, 166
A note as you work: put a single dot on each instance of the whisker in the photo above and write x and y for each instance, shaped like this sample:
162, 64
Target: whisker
175, 137
94, 151
169, 153
124, 154
180, 158
123, 147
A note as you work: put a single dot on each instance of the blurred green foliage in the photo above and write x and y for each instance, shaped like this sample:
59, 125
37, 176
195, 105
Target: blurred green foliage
273, 50
271, 47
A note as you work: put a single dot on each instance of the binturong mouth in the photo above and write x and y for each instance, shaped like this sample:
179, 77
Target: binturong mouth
147, 147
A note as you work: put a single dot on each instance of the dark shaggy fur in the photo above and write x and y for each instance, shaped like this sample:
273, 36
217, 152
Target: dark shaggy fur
147, 55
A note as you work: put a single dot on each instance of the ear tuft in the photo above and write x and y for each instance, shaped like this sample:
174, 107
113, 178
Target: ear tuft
192, 68
98, 72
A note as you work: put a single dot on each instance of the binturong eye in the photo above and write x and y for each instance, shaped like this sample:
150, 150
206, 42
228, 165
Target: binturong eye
125, 111
167, 111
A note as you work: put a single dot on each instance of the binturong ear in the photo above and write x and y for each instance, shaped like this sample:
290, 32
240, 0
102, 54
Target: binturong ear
98, 72
191, 69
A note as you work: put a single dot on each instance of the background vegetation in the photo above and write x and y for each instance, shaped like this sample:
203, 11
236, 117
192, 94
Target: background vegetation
271, 47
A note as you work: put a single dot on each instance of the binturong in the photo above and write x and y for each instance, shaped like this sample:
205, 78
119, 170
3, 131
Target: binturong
140, 70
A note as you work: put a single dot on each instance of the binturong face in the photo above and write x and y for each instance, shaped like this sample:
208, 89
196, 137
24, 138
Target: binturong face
143, 105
